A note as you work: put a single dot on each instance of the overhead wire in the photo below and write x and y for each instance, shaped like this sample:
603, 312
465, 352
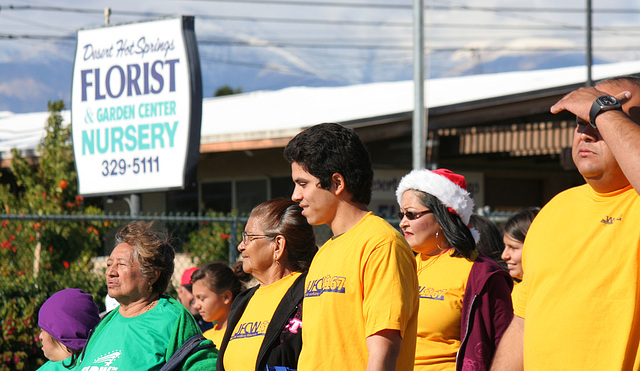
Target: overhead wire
435, 7
345, 43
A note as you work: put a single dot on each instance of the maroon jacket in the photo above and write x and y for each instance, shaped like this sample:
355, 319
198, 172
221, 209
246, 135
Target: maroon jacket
486, 313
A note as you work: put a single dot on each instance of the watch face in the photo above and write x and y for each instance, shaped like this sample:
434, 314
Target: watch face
608, 100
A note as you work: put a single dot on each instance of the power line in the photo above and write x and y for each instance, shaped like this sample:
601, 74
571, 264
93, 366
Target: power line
317, 3
306, 45
434, 7
38, 37
30, 22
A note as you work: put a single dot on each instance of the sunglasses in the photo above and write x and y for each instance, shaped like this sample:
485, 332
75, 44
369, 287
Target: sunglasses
411, 215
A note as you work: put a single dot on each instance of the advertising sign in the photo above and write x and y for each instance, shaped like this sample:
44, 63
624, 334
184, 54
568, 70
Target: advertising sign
136, 107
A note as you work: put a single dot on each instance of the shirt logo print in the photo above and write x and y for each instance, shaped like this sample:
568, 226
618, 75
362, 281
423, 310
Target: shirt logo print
610, 220
431, 293
107, 360
250, 329
328, 283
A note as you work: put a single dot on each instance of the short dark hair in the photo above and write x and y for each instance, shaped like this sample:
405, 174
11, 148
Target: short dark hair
455, 231
219, 278
152, 249
282, 216
329, 148
518, 224
635, 80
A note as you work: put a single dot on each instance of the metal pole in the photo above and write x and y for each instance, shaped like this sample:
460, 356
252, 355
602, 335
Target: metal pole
107, 15
418, 140
589, 46
134, 204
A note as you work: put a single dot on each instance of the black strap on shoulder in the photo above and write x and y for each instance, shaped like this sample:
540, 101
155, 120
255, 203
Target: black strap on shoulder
192, 345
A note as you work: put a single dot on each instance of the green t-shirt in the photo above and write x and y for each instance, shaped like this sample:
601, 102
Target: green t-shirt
145, 342
54, 366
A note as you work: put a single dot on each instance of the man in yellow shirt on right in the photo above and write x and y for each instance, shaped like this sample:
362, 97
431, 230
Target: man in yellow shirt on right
578, 307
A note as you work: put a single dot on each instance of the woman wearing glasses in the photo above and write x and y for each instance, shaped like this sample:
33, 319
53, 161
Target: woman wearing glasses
465, 297
264, 326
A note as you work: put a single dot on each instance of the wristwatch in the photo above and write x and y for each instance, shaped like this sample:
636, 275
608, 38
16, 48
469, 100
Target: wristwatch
603, 104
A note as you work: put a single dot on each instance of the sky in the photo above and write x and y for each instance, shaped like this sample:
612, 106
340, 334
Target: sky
273, 44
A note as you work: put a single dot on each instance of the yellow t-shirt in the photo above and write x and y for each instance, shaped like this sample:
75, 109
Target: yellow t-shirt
245, 342
580, 292
514, 292
359, 283
215, 334
443, 281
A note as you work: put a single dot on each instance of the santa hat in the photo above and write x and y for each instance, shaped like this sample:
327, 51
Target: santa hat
448, 187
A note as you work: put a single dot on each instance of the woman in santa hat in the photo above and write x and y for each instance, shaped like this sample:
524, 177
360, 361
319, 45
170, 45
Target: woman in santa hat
465, 297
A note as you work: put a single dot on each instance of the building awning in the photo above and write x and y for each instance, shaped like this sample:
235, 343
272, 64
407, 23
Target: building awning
528, 139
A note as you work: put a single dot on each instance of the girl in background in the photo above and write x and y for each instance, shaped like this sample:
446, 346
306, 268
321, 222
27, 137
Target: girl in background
214, 287
515, 230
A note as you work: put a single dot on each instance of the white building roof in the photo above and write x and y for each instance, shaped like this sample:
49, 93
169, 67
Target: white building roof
283, 113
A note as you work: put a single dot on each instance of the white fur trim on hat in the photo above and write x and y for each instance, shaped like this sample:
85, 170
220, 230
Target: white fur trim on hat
449, 193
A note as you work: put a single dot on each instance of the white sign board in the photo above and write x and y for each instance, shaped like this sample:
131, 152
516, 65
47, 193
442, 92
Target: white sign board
136, 107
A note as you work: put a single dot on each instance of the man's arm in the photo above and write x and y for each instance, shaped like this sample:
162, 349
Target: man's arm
618, 130
509, 356
384, 348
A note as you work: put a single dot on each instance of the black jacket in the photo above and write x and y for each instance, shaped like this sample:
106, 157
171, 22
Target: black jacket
280, 346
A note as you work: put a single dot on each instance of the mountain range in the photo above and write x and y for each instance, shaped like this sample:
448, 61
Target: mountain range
26, 85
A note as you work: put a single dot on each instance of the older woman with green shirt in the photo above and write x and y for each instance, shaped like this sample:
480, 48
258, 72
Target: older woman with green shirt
148, 327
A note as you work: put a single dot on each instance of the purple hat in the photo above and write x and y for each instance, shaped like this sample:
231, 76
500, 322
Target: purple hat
68, 316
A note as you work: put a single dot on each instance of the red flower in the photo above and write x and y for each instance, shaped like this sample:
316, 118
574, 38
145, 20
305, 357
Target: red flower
44, 195
224, 236
66, 264
50, 248
5, 223
19, 228
63, 184
31, 238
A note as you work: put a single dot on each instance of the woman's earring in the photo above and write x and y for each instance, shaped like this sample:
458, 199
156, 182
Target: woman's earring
437, 244
150, 289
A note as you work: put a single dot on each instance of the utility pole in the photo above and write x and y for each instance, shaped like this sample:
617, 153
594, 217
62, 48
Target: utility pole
419, 123
589, 46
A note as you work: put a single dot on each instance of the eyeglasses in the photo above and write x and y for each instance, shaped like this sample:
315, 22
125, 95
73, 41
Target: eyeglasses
411, 215
584, 125
246, 238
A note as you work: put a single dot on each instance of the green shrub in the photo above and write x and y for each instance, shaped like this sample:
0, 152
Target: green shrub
22, 298
211, 241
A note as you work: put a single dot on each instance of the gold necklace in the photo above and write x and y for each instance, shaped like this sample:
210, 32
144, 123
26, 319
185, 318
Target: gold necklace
431, 261
150, 305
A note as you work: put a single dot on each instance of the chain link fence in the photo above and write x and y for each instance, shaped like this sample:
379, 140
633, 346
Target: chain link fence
42, 254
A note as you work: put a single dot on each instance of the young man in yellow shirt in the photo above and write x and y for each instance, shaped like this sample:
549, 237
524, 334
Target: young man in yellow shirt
361, 294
